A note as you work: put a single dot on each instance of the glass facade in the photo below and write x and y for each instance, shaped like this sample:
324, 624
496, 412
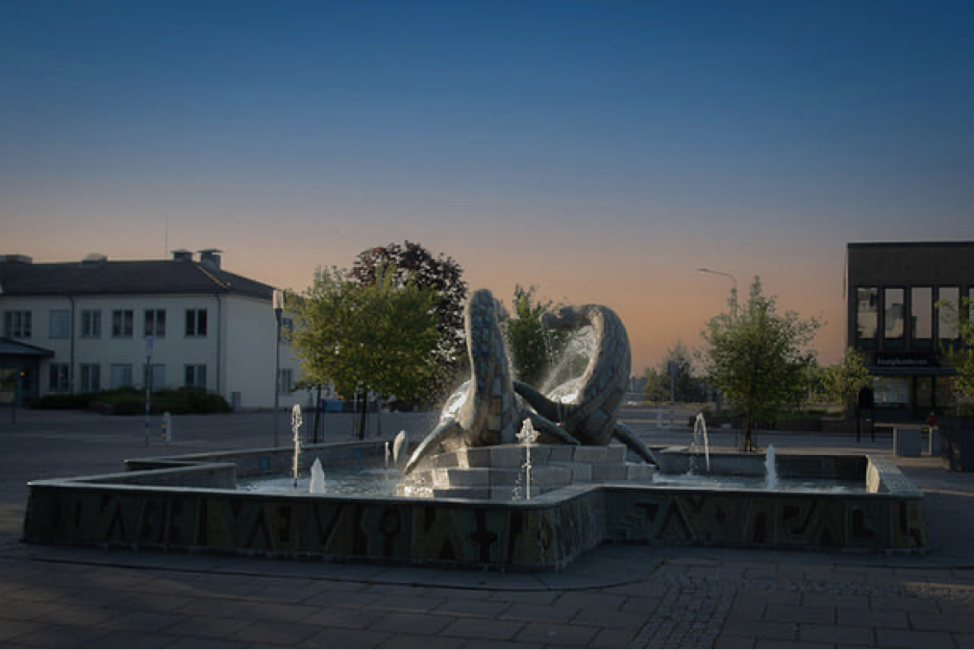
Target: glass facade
867, 315
949, 303
921, 317
894, 314
904, 304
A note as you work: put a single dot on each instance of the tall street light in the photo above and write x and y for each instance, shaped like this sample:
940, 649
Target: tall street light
278, 313
733, 301
726, 275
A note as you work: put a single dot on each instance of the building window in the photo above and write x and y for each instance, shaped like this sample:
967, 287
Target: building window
17, 324
196, 376
867, 315
60, 373
894, 315
59, 324
154, 375
121, 375
123, 323
921, 317
285, 380
891, 391
196, 322
90, 377
90, 324
155, 323
948, 310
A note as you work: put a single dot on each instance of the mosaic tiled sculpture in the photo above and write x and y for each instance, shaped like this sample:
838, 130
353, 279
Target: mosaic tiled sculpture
587, 407
485, 409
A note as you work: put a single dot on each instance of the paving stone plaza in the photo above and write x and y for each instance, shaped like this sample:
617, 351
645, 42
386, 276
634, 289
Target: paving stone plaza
615, 596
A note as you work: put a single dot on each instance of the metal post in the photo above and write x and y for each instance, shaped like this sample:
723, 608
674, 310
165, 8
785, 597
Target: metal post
148, 384
278, 310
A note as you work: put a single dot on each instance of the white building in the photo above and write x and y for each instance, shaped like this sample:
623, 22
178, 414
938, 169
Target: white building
98, 324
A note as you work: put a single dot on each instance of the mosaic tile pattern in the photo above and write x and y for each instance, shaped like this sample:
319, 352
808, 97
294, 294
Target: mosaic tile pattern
542, 534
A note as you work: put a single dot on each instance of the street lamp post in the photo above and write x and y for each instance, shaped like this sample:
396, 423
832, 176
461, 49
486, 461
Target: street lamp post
726, 275
278, 314
733, 302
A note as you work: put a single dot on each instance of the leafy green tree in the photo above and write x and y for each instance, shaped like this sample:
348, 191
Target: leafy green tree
411, 263
959, 352
375, 340
531, 345
657, 388
757, 357
842, 381
685, 387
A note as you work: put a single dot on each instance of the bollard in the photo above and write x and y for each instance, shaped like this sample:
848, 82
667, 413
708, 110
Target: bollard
166, 427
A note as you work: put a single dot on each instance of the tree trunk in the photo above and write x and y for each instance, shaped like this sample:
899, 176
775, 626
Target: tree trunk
747, 435
317, 416
364, 409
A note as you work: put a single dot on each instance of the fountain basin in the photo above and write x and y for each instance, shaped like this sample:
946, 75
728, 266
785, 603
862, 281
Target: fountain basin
189, 504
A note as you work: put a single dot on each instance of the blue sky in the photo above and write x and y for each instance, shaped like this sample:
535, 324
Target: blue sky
601, 151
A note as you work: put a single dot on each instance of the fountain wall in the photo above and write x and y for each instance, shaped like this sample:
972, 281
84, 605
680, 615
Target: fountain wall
186, 504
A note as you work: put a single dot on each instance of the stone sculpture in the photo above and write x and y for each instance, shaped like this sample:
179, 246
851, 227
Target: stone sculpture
587, 407
486, 410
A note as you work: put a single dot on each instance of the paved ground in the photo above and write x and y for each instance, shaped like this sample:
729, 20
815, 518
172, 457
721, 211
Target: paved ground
616, 596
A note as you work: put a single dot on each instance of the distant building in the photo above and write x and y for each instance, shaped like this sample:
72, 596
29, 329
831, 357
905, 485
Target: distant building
892, 318
97, 324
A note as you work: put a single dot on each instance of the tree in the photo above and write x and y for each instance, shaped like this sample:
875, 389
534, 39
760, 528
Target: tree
372, 340
757, 357
842, 381
532, 346
959, 352
657, 388
413, 264
684, 387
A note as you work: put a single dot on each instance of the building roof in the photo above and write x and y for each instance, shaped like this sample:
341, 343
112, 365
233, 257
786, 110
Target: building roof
912, 244
103, 277
12, 348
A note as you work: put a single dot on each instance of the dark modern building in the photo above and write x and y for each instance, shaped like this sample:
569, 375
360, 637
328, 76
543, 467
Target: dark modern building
893, 290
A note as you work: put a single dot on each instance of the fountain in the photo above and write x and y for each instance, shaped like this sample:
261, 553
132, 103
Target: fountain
770, 468
700, 438
399, 447
317, 485
527, 436
452, 502
296, 423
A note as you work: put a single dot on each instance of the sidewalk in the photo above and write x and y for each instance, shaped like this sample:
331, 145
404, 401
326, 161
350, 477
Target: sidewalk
615, 596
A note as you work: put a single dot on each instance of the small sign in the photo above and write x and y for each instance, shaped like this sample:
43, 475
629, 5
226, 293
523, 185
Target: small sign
672, 368
148, 346
906, 360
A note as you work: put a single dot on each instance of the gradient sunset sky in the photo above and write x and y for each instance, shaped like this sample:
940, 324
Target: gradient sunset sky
600, 151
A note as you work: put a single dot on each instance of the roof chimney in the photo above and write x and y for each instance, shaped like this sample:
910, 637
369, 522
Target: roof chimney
16, 259
182, 255
93, 260
210, 258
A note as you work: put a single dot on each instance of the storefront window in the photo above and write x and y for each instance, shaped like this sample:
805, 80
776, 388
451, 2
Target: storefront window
893, 316
891, 391
949, 298
867, 315
921, 316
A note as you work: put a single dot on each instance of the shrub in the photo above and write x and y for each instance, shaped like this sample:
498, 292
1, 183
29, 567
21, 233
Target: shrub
131, 401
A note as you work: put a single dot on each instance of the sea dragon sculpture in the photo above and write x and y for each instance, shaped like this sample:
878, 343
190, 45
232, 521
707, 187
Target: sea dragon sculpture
485, 409
587, 407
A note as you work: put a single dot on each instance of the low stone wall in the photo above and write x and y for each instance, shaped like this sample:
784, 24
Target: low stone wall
132, 511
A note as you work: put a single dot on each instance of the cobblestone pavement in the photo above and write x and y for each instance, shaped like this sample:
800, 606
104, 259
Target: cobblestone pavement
615, 596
